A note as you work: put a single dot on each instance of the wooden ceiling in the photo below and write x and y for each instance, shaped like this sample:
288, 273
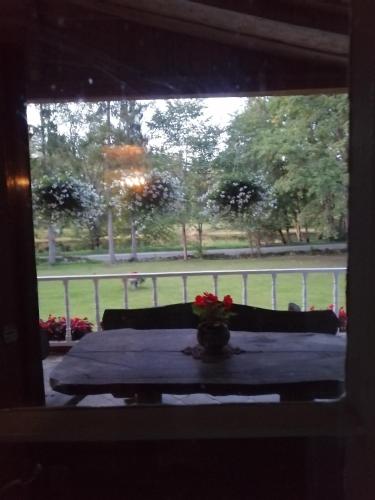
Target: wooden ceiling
91, 49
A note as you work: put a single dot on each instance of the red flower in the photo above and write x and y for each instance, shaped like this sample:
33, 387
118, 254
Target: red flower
210, 298
56, 327
199, 301
342, 313
227, 301
212, 310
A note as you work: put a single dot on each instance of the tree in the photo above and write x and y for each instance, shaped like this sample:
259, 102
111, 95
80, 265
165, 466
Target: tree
188, 143
50, 155
299, 145
82, 138
150, 196
51, 139
115, 148
58, 199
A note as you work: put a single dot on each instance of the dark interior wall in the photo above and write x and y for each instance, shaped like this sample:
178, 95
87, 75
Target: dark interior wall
257, 469
20, 365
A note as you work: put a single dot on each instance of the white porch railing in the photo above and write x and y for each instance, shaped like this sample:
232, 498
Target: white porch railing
335, 272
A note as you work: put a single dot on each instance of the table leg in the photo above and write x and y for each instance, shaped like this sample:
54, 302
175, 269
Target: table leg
74, 400
145, 398
302, 392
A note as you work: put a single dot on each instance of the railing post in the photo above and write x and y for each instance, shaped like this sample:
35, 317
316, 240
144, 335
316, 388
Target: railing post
216, 289
126, 296
274, 300
97, 306
68, 335
244, 289
304, 291
184, 289
335, 291
154, 292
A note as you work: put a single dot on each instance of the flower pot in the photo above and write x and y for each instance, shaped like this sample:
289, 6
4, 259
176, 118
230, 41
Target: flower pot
213, 337
77, 335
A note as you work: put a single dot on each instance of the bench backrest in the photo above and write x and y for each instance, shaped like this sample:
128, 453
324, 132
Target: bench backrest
247, 318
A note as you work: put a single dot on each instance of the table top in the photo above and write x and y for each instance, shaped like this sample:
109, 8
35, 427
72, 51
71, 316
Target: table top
127, 361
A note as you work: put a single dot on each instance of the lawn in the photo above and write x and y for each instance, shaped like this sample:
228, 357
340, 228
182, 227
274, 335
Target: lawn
51, 297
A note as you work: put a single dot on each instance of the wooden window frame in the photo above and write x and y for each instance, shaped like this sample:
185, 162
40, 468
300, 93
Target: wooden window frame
352, 415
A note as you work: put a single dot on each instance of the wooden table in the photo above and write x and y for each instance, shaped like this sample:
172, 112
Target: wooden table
298, 366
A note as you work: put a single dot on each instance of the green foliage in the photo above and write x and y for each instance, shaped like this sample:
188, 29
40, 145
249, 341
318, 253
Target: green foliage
296, 145
157, 231
299, 145
188, 145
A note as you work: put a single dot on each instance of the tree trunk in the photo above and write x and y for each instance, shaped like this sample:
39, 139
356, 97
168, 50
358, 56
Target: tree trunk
43, 134
94, 237
111, 245
200, 239
258, 243
288, 235
51, 245
249, 235
343, 228
331, 225
283, 239
184, 241
298, 231
307, 237
134, 242
108, 111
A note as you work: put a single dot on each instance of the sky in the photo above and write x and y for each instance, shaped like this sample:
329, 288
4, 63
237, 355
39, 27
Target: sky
219, 109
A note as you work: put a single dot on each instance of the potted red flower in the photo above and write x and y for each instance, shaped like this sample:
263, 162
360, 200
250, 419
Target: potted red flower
79, 327
55, 327
213, 333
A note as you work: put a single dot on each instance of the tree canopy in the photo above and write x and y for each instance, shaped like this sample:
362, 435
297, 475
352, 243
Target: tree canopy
288, 153
299, 144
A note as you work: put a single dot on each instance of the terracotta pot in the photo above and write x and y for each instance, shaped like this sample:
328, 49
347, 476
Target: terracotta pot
213, 336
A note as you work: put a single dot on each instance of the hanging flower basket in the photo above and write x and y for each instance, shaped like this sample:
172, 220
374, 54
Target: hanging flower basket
245, 199
57, 197
159, 192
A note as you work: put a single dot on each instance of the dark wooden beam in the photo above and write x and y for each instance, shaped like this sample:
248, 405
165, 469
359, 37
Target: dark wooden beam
229, 27
165, 65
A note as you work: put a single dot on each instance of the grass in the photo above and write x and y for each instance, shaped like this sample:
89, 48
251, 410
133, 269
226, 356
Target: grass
209, 244
51, 297
70, 244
